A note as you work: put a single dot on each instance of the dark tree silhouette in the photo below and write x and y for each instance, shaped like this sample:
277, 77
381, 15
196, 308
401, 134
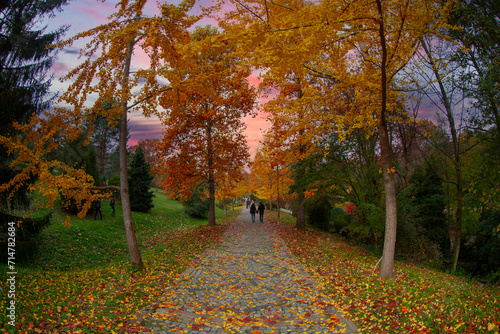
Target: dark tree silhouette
139, 179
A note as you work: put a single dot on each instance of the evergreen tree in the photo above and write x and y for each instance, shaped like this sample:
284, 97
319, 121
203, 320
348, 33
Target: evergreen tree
429, 204
197, 205
139, 179
25, 58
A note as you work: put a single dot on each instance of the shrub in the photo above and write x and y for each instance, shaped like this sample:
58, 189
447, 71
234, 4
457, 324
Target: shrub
339, 221
368, 223
114, 180
318, 213
197, 205
26, 231
484, 247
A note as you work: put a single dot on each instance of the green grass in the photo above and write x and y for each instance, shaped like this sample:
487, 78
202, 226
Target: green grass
89, 243
80, 279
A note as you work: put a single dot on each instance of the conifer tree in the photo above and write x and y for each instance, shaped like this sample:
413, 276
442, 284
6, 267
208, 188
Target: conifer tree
25, 60
139, 179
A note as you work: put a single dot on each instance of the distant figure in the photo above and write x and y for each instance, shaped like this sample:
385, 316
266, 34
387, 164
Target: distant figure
261, 212
248, 202
253, 210
112, 203
98, 208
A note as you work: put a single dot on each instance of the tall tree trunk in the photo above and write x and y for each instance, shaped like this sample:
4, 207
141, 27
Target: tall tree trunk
300, 222
278, 190
211, 179
391, 216
102, 152
133, 248
456, 157
211, 200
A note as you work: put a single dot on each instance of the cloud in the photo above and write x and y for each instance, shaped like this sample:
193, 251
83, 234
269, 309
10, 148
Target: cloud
143, 128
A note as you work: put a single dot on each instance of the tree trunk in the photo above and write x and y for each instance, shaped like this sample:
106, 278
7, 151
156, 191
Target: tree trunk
211, 200
391, 216
456, 156
102, 152
133, 248
278, 190
300, 222
211, 180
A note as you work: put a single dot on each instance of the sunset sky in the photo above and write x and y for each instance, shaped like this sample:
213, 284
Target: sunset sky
81, 15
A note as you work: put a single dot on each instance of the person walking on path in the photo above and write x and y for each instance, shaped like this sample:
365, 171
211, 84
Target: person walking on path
261, 209
112, 203
253, 210
98, 208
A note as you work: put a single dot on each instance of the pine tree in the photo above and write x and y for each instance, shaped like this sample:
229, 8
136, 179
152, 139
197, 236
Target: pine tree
139, 178
25, 59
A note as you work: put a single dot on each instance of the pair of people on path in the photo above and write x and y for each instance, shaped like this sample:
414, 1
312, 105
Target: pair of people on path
112, 202
260, 210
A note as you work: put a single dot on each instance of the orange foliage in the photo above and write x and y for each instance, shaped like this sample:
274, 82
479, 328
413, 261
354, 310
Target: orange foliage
203, 140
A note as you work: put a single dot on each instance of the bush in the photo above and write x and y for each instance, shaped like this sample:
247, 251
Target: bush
26, 231
414, 245
483, 247
114, 180
367, 224
318, 213
197, 205
339, 221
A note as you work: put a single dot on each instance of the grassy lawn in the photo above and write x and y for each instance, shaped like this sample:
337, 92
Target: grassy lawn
417, 300
80, 279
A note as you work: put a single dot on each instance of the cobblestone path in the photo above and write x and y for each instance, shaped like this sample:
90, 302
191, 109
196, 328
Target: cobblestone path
250, 283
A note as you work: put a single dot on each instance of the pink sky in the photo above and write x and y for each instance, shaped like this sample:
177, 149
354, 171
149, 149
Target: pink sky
82, 15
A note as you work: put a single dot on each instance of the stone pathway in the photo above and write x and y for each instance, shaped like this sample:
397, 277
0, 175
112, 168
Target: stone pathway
252, 284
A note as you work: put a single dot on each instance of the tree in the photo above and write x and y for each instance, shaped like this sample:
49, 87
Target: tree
106, 73
25, 58
203, 141
149, 146
438, 78
105, 140
352, 45
139, 179
428, 203
293, 122
479, 23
